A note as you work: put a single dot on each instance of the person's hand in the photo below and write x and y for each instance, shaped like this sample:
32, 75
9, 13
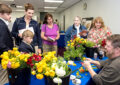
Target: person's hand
20, 35
86, 64
89, 59
84, 34
39, 51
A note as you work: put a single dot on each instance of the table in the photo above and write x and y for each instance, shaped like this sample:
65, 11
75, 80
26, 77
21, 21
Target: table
86, 78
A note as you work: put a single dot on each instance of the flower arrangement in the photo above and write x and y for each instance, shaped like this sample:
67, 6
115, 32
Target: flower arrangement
14, 59
51, 66
75, 48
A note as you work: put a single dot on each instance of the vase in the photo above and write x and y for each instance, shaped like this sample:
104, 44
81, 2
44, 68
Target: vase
90, 51
19, 76
65, 80
75, 59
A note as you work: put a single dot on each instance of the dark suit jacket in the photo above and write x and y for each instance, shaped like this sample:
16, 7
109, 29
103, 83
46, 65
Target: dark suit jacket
6, 41
26, 48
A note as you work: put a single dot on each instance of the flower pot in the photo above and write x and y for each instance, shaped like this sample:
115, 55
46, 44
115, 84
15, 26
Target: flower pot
65, 80
19, 76
90, 51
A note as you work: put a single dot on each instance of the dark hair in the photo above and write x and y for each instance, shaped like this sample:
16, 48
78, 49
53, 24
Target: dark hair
115, 40
29, 6
46, 17
5, 8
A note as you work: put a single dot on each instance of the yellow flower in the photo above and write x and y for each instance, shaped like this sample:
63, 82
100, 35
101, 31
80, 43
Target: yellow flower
25, 59
39, 76
16, 65
6, 57
68, 44
47, 73
33, 72
40, 70
17, 53
52, 73
15, 49
22, 57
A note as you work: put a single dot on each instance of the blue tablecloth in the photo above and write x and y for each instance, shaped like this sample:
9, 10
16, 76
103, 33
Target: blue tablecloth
85, 77
61, 41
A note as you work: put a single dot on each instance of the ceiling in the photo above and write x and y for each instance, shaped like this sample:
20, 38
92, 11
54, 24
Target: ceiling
40, 4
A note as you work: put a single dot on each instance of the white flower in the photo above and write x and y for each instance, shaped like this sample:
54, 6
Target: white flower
60, 72
54, 65
57, 80
70, 62
64, 62
72, 77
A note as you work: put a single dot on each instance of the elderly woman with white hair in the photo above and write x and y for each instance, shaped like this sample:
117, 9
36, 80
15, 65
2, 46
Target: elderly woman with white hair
76, 30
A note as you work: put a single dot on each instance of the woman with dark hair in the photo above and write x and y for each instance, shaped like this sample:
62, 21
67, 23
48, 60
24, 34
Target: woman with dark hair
27, 23
49, 34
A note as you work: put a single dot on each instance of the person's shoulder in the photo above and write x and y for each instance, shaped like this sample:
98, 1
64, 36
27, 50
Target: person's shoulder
116, 63
83, 27
34, 21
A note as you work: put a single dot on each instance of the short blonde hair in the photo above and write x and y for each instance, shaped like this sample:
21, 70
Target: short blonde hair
100, 20
27, 33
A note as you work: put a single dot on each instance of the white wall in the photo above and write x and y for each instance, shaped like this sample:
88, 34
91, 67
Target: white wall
18, 14
108, 9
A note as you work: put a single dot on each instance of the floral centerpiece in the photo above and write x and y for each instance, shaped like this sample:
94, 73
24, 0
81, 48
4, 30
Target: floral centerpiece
14, 59
75, 48
53, 68
15, 63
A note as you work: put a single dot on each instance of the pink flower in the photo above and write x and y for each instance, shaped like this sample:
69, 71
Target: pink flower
9, 64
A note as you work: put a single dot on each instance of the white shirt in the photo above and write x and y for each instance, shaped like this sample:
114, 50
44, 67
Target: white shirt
6, 22
78, 30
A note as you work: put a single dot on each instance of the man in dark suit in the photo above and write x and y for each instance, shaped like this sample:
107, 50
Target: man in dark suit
6, 42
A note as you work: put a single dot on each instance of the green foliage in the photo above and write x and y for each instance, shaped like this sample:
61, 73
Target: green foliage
74, 52
90, 44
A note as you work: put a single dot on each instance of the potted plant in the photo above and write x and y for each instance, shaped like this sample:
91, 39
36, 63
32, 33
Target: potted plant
55, 69
15, 63
75, 49
90, 48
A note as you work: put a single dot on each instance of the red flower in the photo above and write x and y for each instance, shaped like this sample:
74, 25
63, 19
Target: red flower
74, 36
33, 59
103, 43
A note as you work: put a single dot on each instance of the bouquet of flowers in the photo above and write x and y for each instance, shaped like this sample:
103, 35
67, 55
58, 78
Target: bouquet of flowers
75, 48
51, 66
14, 59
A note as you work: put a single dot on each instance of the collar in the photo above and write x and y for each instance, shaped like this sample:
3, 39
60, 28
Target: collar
6, 22
77, 26
74, 27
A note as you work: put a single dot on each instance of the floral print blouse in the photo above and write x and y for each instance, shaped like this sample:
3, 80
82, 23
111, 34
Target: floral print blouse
99, 34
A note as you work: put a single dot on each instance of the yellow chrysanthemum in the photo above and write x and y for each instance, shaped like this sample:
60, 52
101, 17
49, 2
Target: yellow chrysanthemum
33, 72
15, 49
39, 76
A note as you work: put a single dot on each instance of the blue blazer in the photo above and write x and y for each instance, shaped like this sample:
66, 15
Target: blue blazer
26, 48
71, 31
21, 24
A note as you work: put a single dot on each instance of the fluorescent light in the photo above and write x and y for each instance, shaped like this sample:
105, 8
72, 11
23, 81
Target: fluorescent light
50, 7
7, 0
19, 6
54, 1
